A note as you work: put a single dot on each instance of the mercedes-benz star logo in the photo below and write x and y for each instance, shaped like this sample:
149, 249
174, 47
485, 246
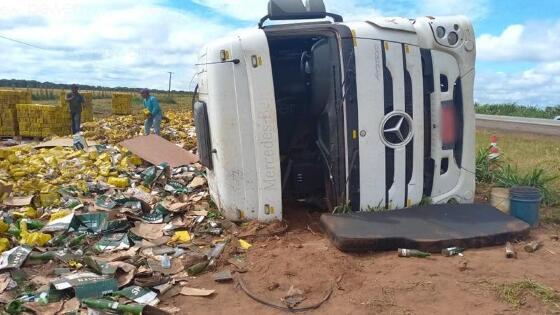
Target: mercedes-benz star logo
396, 129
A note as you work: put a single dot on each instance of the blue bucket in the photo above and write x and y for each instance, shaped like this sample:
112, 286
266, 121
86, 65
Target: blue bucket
525, 204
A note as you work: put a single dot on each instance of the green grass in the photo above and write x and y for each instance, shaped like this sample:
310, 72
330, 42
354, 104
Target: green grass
484, 166
508, 176
513, 109
526, 160
515, 293
524, 151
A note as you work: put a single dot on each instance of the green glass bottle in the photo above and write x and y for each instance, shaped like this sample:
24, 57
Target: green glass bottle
99, 304
197, 268
58, 240
403, 252
79, 240
46, 256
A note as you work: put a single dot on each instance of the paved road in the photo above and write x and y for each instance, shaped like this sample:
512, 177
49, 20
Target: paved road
519, 124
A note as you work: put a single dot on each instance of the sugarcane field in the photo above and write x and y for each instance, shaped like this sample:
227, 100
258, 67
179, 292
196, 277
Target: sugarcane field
279, 156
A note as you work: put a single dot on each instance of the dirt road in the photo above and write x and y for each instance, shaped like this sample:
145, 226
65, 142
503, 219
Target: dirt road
378, 283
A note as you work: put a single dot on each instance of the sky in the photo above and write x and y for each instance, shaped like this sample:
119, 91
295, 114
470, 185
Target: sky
136, 43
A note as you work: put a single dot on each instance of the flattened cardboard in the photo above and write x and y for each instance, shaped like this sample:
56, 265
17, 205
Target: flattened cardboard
18, 201
60, 224
5, 188
148, 231
14, 257
86, 284
196, 292
156, 150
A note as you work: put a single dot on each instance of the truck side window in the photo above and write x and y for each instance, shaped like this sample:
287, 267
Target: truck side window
204, 144
444, 83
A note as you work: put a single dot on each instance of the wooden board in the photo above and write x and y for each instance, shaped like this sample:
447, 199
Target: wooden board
156, 150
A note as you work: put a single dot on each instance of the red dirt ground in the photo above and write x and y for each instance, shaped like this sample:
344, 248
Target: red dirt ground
376, 283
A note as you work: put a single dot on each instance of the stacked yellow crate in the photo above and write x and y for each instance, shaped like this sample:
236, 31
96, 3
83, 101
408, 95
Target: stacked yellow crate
8, 111
61, 121
87, 113
62, 117
8, 123
36, 120
122, 104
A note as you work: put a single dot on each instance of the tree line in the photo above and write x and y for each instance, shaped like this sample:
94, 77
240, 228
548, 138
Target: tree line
33, 84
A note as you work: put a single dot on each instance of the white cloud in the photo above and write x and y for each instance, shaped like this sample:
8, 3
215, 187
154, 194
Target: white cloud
538, 86
247, 10
474, 9
253, 10
356, 10
133, 43
535, 41
117, 43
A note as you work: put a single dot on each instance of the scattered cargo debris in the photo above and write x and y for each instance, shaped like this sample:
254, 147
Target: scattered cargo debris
116, 227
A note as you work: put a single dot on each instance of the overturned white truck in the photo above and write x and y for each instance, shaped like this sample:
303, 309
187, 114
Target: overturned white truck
341, 115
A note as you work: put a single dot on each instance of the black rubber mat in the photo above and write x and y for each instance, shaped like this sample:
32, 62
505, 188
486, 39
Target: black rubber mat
428, 228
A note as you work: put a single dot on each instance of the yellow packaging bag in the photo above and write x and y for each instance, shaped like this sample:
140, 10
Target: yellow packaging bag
135, 160
4, 227
48, 199
120, 182
4, 244
34, 238
60, 214
27, 212
180, 237
244, 244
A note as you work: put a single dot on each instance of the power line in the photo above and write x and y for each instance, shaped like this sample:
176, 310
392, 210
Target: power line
21, 42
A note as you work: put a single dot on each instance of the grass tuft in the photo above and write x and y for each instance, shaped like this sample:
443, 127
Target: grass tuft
508, 176
515, 293
485, 166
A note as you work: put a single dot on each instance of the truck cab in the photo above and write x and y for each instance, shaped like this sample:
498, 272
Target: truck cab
340, 116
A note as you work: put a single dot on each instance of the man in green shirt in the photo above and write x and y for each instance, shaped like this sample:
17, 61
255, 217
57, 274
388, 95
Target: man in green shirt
76, 102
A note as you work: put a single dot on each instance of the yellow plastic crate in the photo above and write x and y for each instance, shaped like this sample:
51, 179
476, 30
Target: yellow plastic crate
122, 104
87, 111
37, 120
8, 112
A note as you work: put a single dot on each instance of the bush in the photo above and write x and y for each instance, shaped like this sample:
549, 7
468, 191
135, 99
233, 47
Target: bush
492, 171
507, 176
167, 100
485, 166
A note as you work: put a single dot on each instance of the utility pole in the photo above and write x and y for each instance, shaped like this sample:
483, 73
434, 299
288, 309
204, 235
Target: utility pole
170, 74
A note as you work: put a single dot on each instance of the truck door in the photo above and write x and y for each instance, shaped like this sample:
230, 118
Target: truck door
261, 108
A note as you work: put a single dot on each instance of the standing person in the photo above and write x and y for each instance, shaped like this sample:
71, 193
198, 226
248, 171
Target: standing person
76, 102
155, 114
